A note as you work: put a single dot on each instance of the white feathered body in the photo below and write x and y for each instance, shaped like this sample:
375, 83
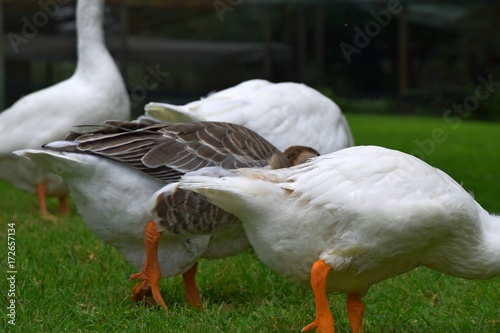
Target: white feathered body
286, 114
94, 93
369, 212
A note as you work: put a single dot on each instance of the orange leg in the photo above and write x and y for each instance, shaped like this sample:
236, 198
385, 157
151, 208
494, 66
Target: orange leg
324, 319
63, 206
355, 312
150, 274
41, 192
192, 295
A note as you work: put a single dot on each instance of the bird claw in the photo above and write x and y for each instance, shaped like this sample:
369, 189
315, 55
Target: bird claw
147, 291
320, 328
309, 327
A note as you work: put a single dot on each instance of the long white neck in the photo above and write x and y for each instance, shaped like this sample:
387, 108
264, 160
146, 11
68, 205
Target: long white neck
92, 52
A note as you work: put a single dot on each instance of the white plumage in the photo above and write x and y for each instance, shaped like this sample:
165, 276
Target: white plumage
364, 214
286, 114
94, 93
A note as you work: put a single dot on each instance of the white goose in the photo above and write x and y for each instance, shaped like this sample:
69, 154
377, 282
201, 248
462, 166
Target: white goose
286, 114
94, 93
350, 219
125, 175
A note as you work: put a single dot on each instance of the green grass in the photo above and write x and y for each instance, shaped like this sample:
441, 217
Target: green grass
69, 281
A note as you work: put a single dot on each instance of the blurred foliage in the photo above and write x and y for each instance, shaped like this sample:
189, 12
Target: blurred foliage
444, 59
361, 105
418, 104
490, 109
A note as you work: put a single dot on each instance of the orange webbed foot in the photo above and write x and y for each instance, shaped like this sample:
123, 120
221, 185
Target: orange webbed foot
41, 193
324, 320
320, 327
63, 206
355, 312
148, 289
192, 294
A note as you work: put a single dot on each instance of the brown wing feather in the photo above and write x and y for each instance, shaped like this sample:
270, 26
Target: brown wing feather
166, 151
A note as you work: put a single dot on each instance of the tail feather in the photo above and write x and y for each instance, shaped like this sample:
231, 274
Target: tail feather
53, 161
169, 113
216, 182
211, 178
237, 194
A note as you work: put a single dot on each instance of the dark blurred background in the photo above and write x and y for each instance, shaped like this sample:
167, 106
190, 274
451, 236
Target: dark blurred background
405, 57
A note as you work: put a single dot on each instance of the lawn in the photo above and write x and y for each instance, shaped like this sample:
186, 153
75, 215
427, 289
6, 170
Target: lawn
67, 280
